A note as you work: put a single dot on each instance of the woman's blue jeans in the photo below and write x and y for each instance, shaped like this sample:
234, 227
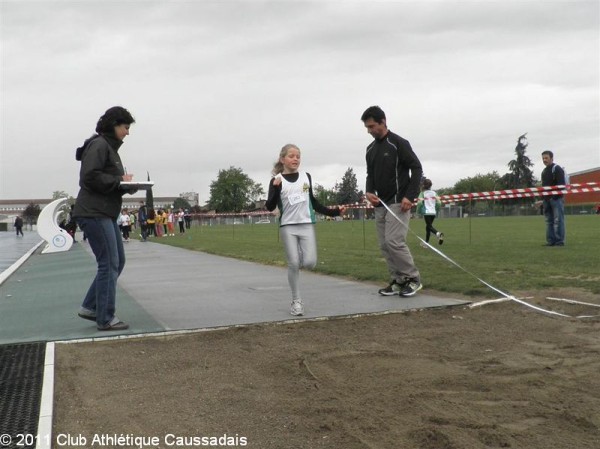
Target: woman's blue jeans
105, 240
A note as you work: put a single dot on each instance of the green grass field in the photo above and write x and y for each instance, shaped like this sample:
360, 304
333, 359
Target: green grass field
506, 252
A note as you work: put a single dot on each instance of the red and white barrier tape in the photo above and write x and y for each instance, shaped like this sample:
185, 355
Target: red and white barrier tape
492, 195
524, 193
568, 188
234, 214
507, 194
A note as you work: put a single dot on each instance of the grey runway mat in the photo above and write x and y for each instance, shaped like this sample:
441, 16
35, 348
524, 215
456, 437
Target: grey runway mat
164, 288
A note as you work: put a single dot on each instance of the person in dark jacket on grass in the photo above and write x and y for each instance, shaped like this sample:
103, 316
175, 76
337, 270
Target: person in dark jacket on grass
97, 209
554, 205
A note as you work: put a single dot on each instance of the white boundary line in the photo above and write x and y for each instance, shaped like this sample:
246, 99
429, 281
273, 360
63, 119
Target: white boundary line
176, 333
572, 301
44, 432
492, 301
10, 270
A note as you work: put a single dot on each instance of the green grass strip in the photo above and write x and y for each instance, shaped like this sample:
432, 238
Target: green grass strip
506, 252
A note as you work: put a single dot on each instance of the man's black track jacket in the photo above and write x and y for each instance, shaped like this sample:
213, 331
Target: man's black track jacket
393, 169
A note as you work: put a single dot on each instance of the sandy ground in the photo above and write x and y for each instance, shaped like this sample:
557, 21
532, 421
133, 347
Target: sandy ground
499, 376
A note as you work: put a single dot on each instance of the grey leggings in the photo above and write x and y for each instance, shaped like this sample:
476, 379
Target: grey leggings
300, 247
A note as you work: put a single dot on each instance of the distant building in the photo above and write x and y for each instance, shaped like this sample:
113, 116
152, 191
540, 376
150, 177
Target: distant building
191, 197
581, 177
160, 202
11, 208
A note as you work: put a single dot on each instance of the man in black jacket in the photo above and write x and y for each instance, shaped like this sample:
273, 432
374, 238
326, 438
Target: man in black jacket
554, 206
393, 176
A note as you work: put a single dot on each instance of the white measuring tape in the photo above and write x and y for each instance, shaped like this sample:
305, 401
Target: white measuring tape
504, 294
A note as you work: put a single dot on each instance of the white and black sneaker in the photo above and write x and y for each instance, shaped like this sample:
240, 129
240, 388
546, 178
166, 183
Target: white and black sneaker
410, 287
391, 290
297, 308
440, 236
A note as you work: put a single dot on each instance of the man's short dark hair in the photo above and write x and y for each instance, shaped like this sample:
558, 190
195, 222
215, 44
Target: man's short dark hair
549, 153
374, 112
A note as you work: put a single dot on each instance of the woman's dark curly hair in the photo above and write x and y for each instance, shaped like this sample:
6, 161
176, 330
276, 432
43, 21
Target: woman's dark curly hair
114, 116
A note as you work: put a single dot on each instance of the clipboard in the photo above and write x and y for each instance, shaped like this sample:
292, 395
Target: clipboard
136, 185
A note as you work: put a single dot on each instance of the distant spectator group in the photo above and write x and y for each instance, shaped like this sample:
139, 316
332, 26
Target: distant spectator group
153, 223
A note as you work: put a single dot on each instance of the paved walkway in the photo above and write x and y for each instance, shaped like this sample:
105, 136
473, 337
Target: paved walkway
13, 247
164, 288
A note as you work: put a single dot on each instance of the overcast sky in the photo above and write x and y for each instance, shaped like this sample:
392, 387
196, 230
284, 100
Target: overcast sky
228, 83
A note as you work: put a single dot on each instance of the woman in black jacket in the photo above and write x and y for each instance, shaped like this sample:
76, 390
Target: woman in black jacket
97, 209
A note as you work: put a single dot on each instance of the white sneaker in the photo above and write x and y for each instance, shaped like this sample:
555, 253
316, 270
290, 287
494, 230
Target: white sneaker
297, 308
411, 287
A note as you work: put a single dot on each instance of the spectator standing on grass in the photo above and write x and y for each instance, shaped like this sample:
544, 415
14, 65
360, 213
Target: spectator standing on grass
428, 206
151, 221
143, 221
554, 206
171, 223
132, 220
181, 221
158, 223
164, 220
125, 224
96, 210
292, 191
393, 176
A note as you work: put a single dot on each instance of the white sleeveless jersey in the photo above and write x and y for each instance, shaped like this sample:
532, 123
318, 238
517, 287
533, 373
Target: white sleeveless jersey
429, 200
295, 204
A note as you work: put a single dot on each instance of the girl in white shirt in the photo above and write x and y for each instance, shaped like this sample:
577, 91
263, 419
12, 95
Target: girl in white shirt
291, 191
125, 222
428, 206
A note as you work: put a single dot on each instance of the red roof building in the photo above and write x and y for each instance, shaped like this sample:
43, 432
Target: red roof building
591, 175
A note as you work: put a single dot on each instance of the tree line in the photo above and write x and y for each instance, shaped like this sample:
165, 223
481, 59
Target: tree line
234, 191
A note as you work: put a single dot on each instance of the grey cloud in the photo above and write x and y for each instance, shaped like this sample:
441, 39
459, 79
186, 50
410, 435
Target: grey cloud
214, 84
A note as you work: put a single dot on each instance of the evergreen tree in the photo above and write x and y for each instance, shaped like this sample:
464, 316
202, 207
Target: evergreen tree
347, 190
520, 174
